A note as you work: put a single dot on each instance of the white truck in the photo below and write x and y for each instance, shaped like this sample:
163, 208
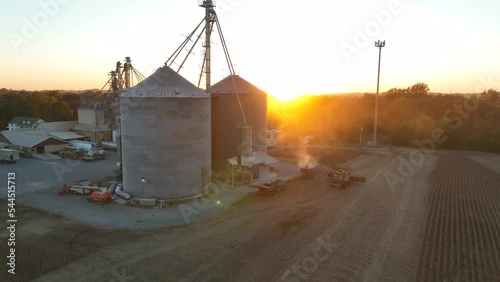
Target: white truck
90, 148
9, 156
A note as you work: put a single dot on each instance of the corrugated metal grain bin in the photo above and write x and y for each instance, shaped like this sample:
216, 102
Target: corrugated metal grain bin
227, 116
166, 137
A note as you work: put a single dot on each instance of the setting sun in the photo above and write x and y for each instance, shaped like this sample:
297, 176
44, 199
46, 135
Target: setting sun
284, 97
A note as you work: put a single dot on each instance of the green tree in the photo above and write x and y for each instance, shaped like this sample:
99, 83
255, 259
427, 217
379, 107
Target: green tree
73, 101
419, 89
59, 111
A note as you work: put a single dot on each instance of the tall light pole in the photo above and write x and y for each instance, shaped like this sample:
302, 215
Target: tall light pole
379, 44
361, 137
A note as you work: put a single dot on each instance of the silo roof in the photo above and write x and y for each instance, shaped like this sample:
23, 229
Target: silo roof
165, 83
226, 86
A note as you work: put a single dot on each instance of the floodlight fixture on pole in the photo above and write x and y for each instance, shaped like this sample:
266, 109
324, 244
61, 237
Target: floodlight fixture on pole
379, 44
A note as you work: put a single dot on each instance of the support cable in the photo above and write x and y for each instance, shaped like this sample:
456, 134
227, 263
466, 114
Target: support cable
177, 52
190, 50
231, 68
109, 80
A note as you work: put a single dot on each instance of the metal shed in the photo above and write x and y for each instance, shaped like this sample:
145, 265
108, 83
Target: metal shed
32, 141
166, 140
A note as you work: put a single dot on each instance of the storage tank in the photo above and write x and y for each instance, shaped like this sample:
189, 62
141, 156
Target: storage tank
166, 140
227, 118
83, 145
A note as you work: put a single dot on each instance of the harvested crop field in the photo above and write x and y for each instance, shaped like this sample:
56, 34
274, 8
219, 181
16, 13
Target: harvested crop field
462, 235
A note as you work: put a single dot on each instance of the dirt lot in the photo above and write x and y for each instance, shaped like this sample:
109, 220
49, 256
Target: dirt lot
418, 218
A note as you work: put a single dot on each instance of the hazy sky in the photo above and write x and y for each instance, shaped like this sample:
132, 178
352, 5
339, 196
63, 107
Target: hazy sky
284, 47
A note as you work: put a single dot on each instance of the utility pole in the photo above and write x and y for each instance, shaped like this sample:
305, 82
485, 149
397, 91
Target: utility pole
361, 137
379, 44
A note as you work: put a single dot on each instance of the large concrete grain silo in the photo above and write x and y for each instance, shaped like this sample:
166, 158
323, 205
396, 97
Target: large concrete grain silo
166, 137
228, 117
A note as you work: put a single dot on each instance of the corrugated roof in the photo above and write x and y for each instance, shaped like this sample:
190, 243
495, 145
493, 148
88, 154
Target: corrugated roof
67, 135
165, 83
227, 86
25, 121
3, 139
58, 126
255, 159
91, 127
30, 139
16, 120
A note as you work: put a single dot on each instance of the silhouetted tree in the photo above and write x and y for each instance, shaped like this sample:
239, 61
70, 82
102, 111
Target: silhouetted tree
405, 115
419, 89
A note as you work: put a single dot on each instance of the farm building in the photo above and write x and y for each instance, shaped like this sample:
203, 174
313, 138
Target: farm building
32, 142
24, 123
94, 120
62, 130
48, 137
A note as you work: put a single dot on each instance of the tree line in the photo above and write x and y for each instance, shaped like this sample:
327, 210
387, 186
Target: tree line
48, 105
406, 117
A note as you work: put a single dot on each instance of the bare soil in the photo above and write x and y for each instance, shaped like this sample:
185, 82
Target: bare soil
462, 235
441, 221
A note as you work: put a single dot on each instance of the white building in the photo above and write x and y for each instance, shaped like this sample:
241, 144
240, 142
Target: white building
24, 123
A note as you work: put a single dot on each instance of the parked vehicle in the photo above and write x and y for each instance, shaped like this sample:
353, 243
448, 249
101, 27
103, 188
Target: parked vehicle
9, 156
90, 148
99, 197
342, 177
